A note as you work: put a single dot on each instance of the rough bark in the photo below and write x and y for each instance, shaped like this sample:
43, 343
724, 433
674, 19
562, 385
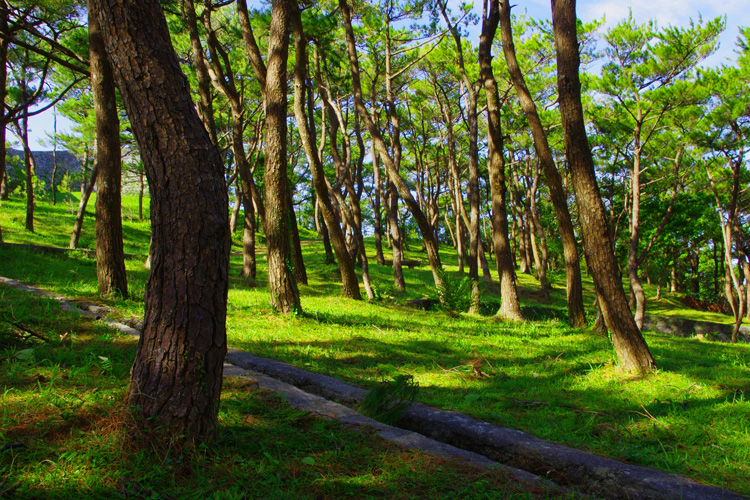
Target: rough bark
110, 258
511, 307
177, 373
306, 129
281, 279
574, 287
630, 347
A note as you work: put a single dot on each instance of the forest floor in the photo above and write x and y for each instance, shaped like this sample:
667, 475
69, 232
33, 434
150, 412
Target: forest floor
691, 417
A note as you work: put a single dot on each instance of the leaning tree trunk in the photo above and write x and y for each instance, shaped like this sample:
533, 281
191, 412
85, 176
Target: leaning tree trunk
630, 347
177, 373
300, 273
308, 137
403, 189
576, 313
3, 92
511, 307
88, 188
110, 259
29, 173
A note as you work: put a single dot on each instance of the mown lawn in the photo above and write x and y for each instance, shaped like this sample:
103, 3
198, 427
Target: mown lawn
691, 417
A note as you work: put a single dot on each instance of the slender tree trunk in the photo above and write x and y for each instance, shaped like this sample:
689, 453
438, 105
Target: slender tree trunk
4, 191
541, 249
403, 189
636, 287
205, 105
28, 171
236, 208
378, 221
323, 231
306, 127
141, 188
110, 257
177, 374
574, 287
249, 265
300, 273
397, 249
630, 347
53, 181
511, 307
85, 195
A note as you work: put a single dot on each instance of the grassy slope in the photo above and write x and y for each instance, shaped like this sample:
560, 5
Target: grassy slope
65, 405
692, 417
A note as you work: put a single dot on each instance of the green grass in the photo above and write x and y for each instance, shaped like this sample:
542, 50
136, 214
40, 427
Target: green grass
691, 417
63, 401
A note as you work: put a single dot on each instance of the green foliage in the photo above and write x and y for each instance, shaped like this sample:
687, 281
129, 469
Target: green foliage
390, 399
455, 293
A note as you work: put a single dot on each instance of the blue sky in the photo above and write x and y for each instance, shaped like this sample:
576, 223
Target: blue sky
665, 12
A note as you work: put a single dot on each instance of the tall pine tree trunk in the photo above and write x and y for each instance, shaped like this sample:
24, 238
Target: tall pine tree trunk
574, 287
281, 278
177, 373
110, 258
510, 307
86, 189
630, 347
306, 128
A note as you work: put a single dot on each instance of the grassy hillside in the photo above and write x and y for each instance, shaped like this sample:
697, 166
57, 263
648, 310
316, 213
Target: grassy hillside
561, 384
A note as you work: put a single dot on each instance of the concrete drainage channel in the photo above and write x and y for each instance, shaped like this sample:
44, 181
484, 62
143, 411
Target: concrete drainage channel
451, 434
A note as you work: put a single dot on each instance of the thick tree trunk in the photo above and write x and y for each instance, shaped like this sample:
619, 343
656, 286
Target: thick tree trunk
88, 188
177, 374
281, 278
511, 307
305, 126
630, 347
110, 257
574, 287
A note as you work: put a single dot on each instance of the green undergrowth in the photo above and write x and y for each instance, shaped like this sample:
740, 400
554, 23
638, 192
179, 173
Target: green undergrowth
67, 434
690, 417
